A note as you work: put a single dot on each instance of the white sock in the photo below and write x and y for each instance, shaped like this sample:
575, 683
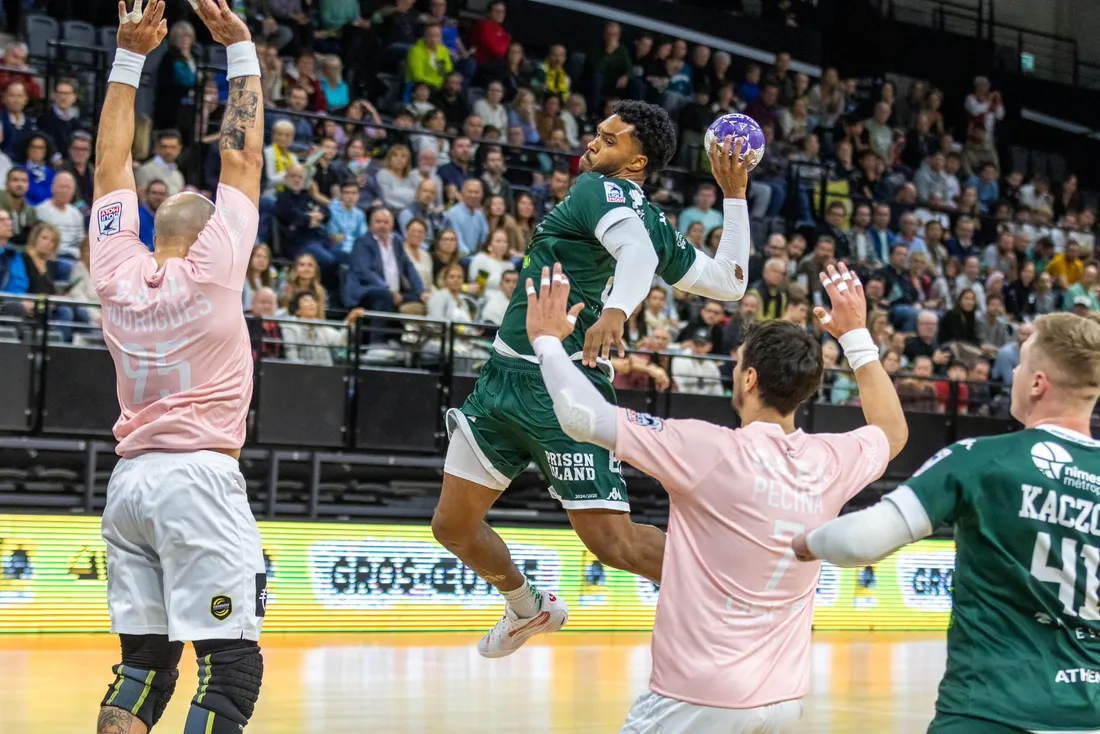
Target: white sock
524, 601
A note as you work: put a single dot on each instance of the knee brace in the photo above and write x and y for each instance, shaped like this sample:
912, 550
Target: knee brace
230, 672
146, 678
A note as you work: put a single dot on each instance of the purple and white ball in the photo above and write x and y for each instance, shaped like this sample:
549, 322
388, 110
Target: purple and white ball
739, 126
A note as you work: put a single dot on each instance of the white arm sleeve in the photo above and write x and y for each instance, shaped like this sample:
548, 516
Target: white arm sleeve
718, 278
629, 243
583, 413
867, 536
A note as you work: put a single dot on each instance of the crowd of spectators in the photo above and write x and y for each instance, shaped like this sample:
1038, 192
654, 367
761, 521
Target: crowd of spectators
411, 155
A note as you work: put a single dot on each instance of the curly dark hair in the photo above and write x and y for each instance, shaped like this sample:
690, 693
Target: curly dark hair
653, 129
788, 364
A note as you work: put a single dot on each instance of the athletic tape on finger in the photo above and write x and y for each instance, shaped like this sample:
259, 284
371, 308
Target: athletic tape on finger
856, 282
846, 275
545, 282
571, 318
835, 277
530, 289
827, 319
559, 278
842, 287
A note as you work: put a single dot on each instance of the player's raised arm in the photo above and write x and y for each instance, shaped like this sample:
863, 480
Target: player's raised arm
723, 277
242, 133
139, 33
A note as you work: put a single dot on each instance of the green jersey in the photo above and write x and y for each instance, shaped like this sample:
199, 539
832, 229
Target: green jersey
1024, 644
570, 235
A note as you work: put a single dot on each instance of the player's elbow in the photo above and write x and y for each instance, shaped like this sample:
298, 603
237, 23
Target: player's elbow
897, 434
574, 423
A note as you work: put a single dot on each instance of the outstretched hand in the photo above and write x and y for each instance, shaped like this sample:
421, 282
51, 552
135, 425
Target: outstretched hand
845, 293
224, 25
546, 307
141, 31
730, 172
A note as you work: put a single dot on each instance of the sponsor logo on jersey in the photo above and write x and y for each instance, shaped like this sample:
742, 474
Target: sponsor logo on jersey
932, 461
221, 606
645, 420
1050, 458
637, 198
613, 193
109, 218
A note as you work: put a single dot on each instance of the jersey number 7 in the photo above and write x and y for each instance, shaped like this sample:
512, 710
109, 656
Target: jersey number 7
784, 532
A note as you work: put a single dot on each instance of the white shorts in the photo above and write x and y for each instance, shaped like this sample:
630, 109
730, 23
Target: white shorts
465, 459
653, 713
184, 556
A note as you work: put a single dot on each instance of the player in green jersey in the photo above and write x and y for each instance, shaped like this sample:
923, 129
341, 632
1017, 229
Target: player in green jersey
1023, 650
610, 242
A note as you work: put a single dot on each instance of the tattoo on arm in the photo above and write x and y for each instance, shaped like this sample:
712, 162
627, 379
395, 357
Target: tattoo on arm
114, 721
240, 115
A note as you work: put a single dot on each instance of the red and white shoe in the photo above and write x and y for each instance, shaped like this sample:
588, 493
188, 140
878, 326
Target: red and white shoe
512, 631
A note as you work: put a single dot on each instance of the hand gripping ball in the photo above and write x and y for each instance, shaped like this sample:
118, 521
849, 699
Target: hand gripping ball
739, 126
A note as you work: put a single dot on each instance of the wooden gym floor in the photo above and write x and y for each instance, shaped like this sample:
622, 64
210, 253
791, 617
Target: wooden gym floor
878, 683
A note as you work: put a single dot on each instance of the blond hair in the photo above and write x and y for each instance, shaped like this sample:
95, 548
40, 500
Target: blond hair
1070, 346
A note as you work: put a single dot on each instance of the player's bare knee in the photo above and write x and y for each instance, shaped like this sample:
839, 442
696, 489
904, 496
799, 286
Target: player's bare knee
230, 672
145, 679
450, 531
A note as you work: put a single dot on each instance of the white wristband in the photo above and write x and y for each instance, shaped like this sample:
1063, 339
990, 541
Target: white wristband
859, 348
127, 68
242, 60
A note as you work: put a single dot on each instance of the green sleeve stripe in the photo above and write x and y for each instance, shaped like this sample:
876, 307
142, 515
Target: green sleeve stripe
118, 685
144, 693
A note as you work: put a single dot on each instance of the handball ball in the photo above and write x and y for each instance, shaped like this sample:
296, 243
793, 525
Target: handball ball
739, 126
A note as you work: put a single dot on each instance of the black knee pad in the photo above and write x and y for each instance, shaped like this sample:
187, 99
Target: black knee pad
146, 678
230, 672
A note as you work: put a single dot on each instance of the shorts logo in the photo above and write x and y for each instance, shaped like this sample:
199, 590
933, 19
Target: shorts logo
109, 218
645, 420
261, 595
614, 193
615, 495
221, 607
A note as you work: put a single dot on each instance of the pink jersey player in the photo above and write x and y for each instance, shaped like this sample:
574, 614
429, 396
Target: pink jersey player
177, 333
185, 561
731, 642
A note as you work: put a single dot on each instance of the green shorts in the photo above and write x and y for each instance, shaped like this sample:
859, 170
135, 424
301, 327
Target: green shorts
956, 724
510, 418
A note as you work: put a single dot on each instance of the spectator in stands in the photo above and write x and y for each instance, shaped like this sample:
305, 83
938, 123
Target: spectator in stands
985, 109
488, 37
291, 15
334, 90
901, 293
1020, 295
429, 61
314, 343
549, 195
394, 180
702, 210
347, 222
496, 301
14, 122
960, 324
1008, 356
298, 101
550, 78
907, 224
304, 275
35, 159
328, 173
259, 276
693, 374
451, 99
415, 244
426, 170
163, 166
963, 245
925, 342
609, 69
496, 214
30, 274
1046, 298
278, 159
880, 236
826, 100
13, 200
1067, 267
15, 57
971, 279
302, 74
1085, 288
449, 303
770, 290
176, 80
154, 195
444, 251
381, 276
765, 110
78, 163
271, 73
490, 262
492, 179
265, 333
989, 190
459, 170
993, 327
918, 393
711, 319
301, 221
435, 124
62, 119
931, 180
526, 214
1000, 255
58, 211
880, 134
490, 108
424, 208
467, 219
920, 142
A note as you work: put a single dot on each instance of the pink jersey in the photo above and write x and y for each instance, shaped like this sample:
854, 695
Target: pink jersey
736, 607
177, 335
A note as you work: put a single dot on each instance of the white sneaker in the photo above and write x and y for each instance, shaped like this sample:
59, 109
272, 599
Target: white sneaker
512, 631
